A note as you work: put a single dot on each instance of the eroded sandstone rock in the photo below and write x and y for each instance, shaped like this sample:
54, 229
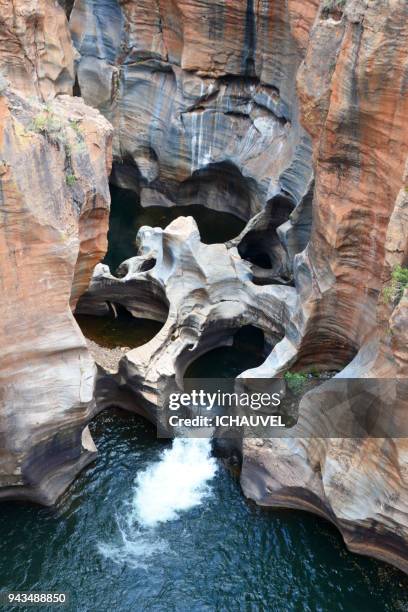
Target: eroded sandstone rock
54, 209
202, 98
352, 91
202, 293
36, 52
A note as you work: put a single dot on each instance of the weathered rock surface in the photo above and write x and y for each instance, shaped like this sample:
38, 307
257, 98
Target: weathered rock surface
36, 52
203, 101
352, 90
54, 209
202, 293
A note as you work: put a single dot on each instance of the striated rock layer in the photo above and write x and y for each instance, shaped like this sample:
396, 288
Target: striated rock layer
202, 99
36, 52
54, 209
352, 87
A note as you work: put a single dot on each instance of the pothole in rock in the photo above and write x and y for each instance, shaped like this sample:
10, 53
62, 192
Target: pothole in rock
110, 337
247, 351
127, 216
254, 254
262, 247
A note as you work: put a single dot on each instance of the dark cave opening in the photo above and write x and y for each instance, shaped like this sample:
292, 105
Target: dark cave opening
262, 247
127, 216
67, 5
220, 187
76, 89
252, 249
248, 350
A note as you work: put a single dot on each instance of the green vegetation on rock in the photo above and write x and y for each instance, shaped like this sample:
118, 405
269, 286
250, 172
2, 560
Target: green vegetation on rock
76, 126
71, 179
392, 293
47, 123
54, 129
295, 381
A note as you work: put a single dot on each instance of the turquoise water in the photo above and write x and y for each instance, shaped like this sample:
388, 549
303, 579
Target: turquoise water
221, 554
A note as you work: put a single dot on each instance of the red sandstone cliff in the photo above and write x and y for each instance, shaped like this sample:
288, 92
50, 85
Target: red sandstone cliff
352, 89
54, 211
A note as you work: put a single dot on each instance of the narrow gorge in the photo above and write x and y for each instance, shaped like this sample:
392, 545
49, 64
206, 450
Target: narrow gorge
204, 189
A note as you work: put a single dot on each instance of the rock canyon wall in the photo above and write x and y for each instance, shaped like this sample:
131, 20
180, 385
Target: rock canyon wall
352, 90
289, 115
202, 98
54, 210
36, 51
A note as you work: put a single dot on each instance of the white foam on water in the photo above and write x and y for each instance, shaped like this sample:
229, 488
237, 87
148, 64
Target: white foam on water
178, 482
134, 549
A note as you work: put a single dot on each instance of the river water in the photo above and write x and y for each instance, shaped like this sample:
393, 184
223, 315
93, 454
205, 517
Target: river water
160, 526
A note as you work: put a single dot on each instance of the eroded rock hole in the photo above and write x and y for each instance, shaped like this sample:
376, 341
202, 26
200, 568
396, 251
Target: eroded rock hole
128, 216
67, 5
220, 187
118, 329
262, 247
248, 350
77, 89
148, 265
251, 249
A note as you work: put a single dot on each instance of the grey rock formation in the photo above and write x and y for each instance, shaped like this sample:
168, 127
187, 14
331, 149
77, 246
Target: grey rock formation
203, 293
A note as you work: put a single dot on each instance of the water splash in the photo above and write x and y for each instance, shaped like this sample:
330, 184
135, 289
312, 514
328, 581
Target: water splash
134, 549
176, 483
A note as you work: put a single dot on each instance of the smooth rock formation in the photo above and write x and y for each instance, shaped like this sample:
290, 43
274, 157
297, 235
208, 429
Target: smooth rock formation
54, 210
202, 293
352, 90
36, 52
